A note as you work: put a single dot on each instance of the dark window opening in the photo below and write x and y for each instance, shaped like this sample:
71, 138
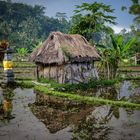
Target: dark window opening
52, 37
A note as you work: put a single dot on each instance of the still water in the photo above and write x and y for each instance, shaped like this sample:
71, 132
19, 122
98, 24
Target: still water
24, 117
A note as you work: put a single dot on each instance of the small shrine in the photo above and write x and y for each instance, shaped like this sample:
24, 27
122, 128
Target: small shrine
6, 60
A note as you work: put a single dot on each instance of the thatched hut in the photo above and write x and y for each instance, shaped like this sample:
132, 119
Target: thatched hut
66, 58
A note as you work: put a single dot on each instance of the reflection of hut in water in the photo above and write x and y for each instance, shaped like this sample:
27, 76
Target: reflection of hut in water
66, 58
58, 114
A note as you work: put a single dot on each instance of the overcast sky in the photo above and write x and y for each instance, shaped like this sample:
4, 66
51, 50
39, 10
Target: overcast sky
124, 19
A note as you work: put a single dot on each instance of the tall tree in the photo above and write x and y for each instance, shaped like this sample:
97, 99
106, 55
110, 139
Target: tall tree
25, 25
135, 10
61, 16
91, 18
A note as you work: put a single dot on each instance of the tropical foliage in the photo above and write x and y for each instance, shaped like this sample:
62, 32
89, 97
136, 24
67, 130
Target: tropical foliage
94, 19
24, 26
134, 9
111, 57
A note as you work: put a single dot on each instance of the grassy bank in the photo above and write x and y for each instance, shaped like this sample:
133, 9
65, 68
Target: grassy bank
48, 90
25, 84
73, 88
86, 99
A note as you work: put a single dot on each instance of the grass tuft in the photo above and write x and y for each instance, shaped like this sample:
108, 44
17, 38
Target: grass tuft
24, 84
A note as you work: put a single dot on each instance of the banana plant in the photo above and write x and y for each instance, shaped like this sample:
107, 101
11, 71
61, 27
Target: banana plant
22, 52
119, 51
111, 57
119, 47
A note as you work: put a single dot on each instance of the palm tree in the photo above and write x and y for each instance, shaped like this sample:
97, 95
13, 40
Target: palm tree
95, 16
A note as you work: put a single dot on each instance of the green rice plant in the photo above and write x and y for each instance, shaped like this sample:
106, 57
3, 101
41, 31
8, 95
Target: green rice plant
23, 64
24, 84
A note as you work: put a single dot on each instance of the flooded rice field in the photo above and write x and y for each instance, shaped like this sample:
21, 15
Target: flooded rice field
28, 115
17, 121
127, 90
23, 72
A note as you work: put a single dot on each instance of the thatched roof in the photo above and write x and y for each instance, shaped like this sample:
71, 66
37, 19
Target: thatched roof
3, 46
62, 48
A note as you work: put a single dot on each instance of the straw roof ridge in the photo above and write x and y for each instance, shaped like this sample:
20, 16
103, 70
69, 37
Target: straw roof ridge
64, 48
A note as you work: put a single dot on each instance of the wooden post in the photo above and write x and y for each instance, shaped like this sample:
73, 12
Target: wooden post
37, 73
135, 57
57, 72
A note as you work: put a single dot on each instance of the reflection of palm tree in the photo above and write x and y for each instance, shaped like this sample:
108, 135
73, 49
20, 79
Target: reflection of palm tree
108, 93
95, 128
91, 129
113, 111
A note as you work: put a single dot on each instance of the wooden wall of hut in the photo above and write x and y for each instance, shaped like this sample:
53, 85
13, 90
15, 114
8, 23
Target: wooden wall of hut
138, 58
68, 73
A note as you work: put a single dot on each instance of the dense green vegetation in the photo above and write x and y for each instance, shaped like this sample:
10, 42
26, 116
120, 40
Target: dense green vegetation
94, 21
134, 9
93, 83
111, 57
24, 26
24, 84
113, 48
